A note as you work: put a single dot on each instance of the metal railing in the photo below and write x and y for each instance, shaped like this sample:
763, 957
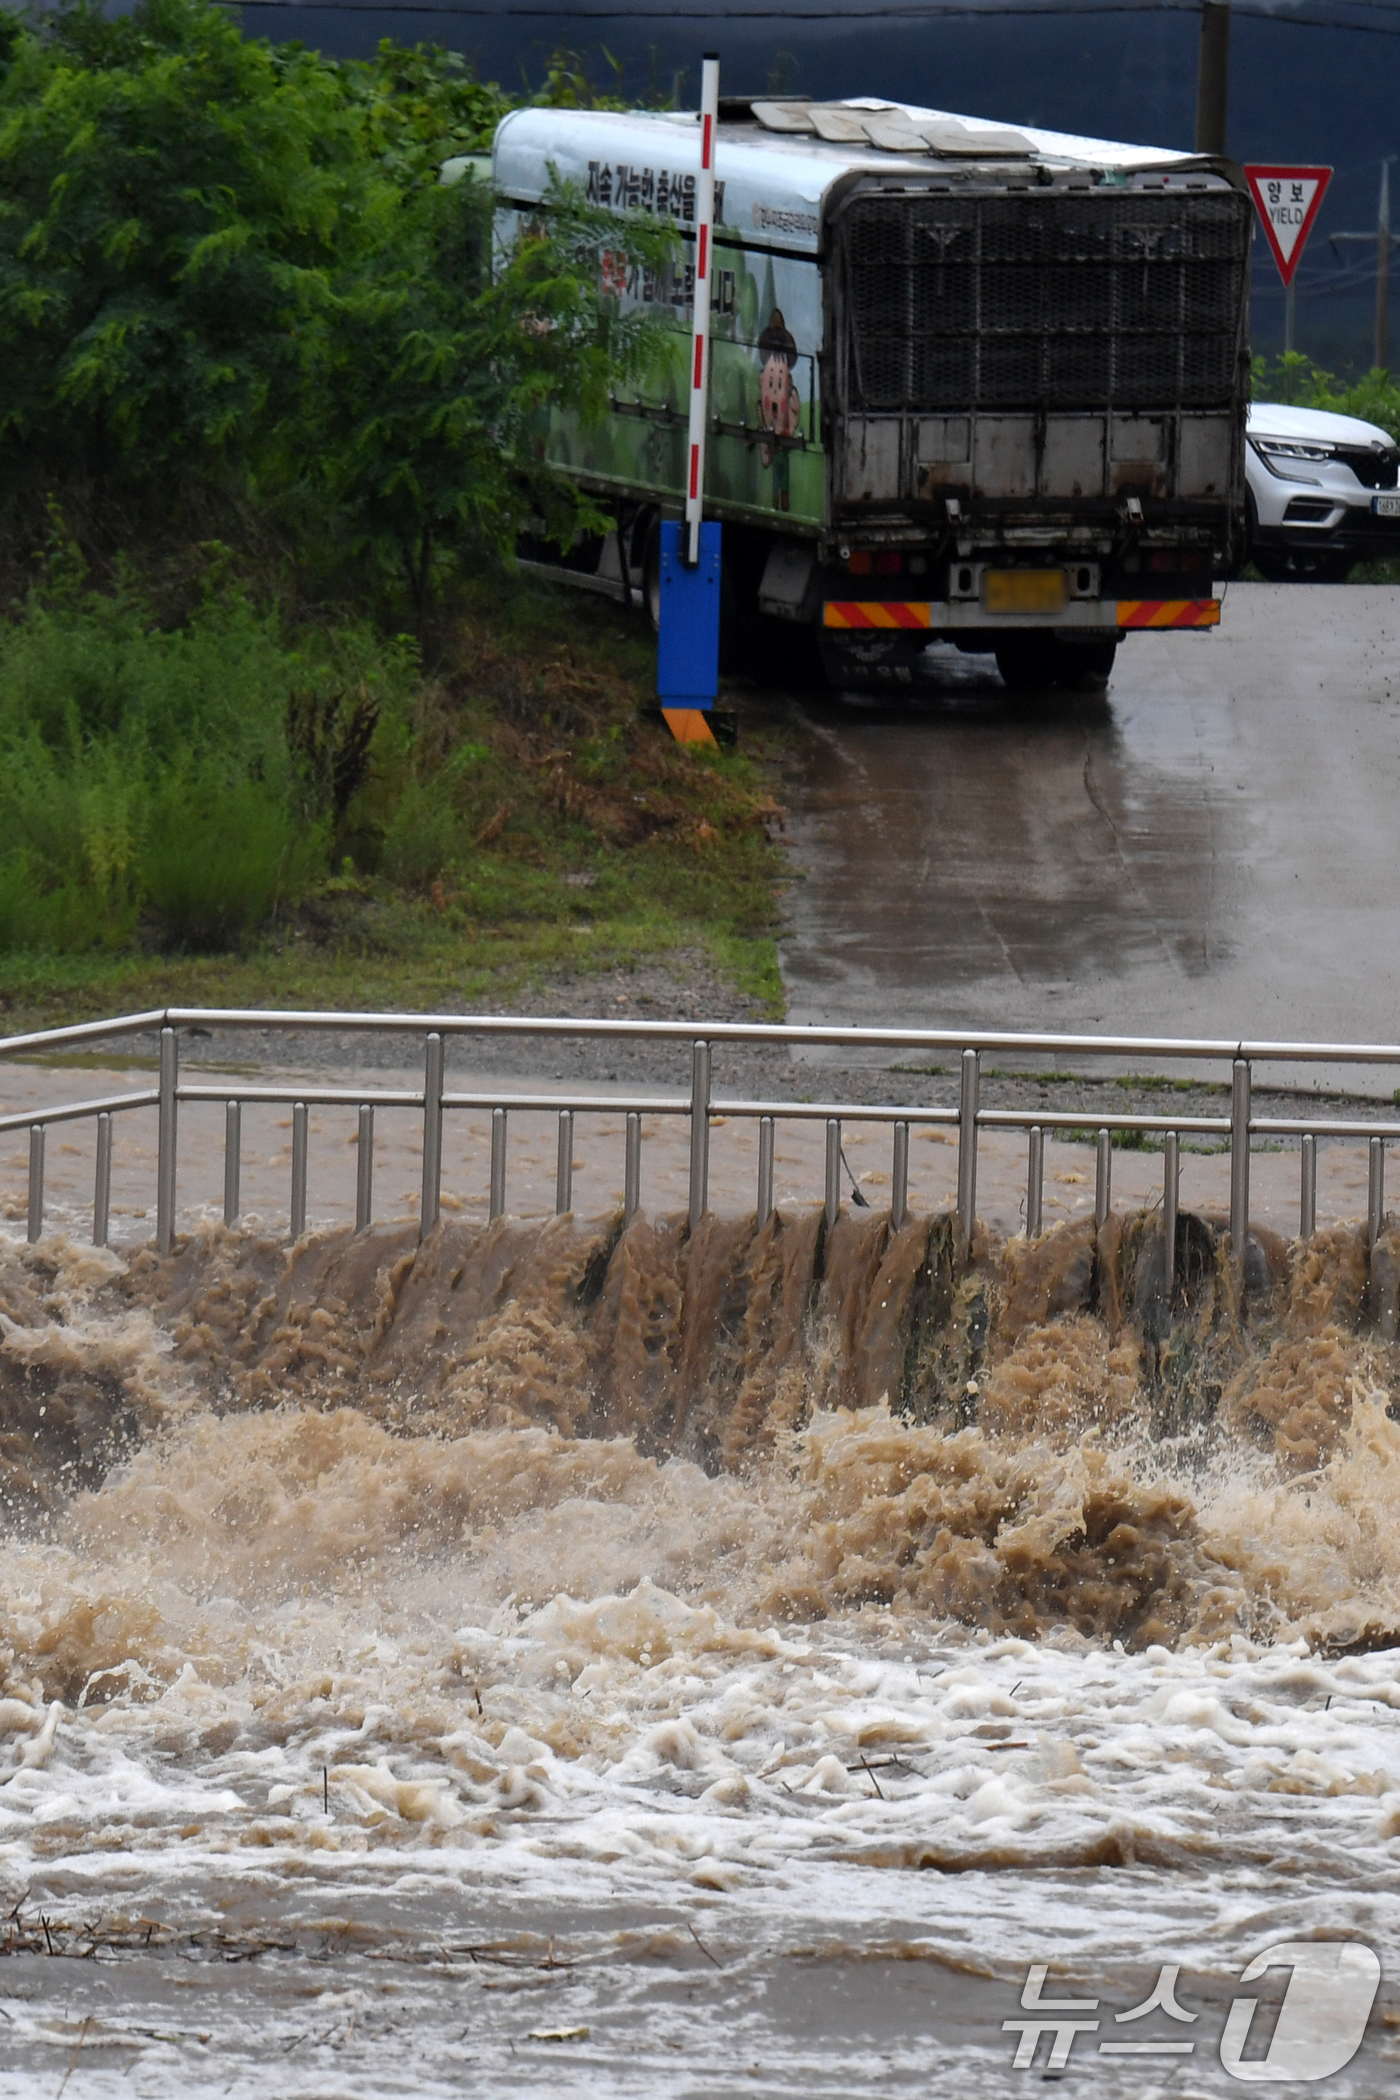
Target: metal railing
965, 1114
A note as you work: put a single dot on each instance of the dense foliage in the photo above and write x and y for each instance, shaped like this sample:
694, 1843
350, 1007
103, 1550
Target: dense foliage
1295, 379
264, 405
151, 770
230, 277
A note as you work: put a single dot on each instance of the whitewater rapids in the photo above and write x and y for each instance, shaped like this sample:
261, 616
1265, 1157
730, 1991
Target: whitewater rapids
550, 1655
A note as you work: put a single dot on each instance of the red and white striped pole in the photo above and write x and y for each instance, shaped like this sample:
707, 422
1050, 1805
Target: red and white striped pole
700, 351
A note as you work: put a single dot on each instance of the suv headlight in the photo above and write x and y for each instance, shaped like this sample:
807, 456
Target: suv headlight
1288, 450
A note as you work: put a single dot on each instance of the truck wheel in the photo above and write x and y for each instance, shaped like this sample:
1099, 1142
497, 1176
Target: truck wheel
1086, 667
739, 619
870, 663
651, 575
1028, 662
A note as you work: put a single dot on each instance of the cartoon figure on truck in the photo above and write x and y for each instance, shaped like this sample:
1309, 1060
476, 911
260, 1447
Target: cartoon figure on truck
779, 404
967, 382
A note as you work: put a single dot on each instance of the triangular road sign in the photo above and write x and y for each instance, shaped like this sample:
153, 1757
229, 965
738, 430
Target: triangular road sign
1287, 200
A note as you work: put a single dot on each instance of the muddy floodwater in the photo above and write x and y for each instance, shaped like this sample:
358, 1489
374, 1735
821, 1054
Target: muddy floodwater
1209, 848
559, 1658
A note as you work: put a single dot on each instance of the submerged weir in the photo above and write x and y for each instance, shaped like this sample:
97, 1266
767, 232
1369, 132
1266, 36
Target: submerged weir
392, 1628
789, 1421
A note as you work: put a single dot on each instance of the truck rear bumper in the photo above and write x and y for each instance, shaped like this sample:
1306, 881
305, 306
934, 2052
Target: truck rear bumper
1094, 616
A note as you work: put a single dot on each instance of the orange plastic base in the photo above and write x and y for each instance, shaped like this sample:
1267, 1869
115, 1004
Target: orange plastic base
689, 725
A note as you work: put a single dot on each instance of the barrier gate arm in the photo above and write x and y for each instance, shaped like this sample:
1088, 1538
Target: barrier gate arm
688, 651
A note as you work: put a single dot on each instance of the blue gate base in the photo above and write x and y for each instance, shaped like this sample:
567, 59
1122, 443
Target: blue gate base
687, 652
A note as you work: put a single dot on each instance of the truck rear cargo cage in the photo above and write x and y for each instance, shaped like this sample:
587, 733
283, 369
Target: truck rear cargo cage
1052, 298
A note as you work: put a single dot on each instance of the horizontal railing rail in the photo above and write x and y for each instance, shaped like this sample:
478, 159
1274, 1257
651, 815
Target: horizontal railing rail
1205, 1048
77, 1111
434, 1100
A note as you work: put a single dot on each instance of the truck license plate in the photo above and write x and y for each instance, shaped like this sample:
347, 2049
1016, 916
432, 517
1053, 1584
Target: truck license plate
1386, 506
1023, 590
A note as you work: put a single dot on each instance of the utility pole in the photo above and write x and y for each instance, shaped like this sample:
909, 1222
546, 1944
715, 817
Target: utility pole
1383, 273
1213, 78
1385, 240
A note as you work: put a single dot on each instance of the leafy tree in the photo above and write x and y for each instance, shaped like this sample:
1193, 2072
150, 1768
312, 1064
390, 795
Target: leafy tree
1294, 378
420, 107
432, 372
174, 201
229, 272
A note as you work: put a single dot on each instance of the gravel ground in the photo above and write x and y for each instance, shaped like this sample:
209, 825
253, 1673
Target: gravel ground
687, 988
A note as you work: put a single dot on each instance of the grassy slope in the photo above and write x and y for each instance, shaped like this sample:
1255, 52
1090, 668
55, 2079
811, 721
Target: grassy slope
572, 835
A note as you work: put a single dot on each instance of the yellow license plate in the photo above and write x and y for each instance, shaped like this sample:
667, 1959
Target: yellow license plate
1023, 590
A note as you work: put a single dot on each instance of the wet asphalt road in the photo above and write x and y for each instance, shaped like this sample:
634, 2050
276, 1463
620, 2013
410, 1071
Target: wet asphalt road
1212, 847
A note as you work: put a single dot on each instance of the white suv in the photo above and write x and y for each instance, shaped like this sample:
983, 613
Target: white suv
1321, 493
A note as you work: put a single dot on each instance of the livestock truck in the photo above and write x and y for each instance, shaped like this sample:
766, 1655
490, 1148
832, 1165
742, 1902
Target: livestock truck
968, 383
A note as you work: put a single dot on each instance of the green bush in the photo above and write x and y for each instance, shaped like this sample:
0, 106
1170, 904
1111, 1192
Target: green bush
149, 775
233, 286
218, 855
1295, 379
427, 831
236, 300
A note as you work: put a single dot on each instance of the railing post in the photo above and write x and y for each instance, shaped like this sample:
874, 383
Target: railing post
1171, 1198
1239, 1165
299, 1129
1035, 1183
764, 1208
1103, 1178
498, 1164
233, 1161
833, 1171
1307, 1198
167, 1114
699, 1133
432, 1136
899, 1178
968, 1097
36, 1183
364, 1168
632, 1169
1375, 1192
564, 1165
102, 1182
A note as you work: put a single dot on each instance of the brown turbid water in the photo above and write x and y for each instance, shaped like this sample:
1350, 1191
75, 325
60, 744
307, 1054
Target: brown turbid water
382, 1624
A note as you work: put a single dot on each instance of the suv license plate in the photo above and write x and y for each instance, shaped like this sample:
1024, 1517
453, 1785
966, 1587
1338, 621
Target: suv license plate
1023, 590
1386, 506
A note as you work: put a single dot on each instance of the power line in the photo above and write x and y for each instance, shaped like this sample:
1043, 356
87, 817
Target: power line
1316, 284
1317, 288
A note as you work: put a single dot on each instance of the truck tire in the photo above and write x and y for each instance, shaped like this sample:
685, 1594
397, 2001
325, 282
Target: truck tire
651, 572
1028, 662
1086, 667
870, 663
1042, 663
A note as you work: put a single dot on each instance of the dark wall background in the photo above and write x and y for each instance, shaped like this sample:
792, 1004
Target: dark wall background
1297, 93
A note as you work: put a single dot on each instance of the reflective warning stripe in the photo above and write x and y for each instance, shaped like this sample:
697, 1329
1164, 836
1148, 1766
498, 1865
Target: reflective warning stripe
700, 322
1168, 612
689, 725
1132, 612
847, 614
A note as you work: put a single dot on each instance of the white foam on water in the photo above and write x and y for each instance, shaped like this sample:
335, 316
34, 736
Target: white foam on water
284, 1674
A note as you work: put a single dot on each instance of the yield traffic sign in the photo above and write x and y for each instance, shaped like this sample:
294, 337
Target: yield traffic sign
1287, 200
